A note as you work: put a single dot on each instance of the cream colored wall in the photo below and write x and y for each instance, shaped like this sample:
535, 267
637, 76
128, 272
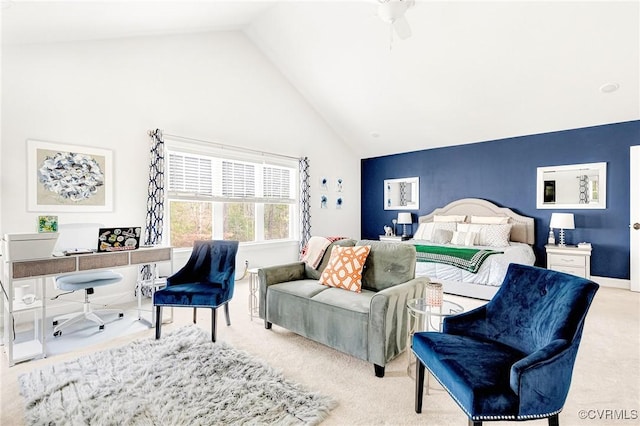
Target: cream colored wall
212, 86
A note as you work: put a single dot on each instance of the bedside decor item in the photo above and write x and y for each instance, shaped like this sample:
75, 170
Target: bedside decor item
394, 222
68, 178
404, 219
551, 239
47, 223
562, 221
181, 390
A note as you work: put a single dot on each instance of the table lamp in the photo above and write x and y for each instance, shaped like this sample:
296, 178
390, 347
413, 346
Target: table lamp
404, 219
562, 221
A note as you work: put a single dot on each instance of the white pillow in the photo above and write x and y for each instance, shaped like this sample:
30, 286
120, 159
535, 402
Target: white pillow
490, 220
488, 235
422, 229
449, 218
464, 238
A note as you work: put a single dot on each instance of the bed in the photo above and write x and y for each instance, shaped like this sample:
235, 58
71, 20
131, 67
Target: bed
488, 238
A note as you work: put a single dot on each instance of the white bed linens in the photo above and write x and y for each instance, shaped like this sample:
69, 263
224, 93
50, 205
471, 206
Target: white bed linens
491, 272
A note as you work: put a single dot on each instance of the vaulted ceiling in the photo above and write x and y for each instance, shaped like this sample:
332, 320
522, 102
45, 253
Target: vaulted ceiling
470, 72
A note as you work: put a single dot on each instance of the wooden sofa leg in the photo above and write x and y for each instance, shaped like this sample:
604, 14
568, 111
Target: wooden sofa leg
419, 386
474, 423
379, 370
554, 420
267, 325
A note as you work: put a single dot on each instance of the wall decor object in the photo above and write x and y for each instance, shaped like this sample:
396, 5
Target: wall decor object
339, 184
323, 201
47, 223
339, 202
324, 183
68, 178
402, 194
572, 186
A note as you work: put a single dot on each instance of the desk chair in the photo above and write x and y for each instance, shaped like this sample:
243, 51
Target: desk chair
85, 281
206, 281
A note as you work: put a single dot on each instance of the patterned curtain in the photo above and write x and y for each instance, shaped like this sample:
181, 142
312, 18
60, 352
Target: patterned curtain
305, 202
155, 201
584, 189
155, 190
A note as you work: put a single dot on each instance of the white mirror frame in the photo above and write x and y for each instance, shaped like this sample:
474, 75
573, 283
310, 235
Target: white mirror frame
587, 168
392, 191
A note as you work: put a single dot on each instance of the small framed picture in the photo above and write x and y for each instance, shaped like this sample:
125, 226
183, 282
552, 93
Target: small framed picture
47, 223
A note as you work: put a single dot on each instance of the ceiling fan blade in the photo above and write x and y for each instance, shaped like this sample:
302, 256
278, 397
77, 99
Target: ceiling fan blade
402, 27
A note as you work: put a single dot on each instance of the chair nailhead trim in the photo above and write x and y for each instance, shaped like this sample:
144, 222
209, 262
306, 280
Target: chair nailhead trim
524, 417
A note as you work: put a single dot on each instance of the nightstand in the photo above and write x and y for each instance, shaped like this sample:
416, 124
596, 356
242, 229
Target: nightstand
394, 238
570, 259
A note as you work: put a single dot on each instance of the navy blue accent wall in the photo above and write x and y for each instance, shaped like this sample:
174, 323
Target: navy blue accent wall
504, 172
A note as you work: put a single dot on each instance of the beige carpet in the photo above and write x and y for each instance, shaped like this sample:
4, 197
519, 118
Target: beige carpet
606, 380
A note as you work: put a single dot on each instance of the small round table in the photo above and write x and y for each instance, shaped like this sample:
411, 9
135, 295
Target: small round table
254, 285
425, 317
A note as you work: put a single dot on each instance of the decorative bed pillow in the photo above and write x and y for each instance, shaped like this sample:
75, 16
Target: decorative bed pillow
490, 220
464, 238
431, 231
441, 236
488, 235
344, 269
449, 218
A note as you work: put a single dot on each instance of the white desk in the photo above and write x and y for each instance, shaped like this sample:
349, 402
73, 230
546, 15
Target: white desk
40, 269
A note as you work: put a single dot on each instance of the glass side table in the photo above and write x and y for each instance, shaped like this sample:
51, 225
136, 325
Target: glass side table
254, 288
425, 317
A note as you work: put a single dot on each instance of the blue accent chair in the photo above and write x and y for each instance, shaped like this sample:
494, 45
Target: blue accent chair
511, 359
206, 281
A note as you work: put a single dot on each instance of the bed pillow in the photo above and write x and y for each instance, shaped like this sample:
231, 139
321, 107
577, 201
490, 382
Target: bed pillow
435, 232
449, 218
344, 269
441, 236
488, 235
423, 229
490, 220
464, 238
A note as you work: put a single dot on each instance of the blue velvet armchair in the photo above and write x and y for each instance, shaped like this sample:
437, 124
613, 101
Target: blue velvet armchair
511, 359
206, 281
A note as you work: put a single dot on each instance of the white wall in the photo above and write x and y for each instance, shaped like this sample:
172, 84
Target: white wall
211, 86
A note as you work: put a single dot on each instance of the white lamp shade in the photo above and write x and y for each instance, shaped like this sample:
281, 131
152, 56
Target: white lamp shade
562, 221
404, 218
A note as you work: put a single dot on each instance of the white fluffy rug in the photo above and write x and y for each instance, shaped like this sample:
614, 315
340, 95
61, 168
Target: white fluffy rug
181, 379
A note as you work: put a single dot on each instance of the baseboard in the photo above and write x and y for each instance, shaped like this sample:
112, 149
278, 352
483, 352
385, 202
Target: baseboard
612, 282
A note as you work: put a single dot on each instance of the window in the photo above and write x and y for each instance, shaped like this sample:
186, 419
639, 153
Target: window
233, 197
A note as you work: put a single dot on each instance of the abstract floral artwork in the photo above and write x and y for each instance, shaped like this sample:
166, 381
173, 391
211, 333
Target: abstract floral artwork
69, 178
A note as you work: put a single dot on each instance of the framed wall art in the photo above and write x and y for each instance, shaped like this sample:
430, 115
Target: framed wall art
68, 178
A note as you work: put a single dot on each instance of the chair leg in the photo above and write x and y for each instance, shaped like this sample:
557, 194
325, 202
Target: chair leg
554, 420
419, 386
194, 315
226, 313
214, 314
158, 321
474, 423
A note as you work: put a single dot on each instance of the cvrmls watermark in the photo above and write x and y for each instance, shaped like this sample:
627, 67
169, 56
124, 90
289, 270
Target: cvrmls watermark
609, 414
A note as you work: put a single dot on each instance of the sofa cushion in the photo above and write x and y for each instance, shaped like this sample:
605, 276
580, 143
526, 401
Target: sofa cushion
315, 273
344, 269
351, 301
388, 264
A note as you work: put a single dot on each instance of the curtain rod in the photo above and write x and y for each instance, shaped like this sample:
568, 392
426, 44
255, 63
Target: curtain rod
224, 146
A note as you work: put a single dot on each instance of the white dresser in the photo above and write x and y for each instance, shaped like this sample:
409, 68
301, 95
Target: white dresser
570, 259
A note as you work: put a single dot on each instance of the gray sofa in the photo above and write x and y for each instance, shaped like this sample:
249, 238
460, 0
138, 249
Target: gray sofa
371, 325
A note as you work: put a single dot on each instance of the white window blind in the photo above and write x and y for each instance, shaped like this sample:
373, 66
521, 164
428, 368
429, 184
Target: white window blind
208, 177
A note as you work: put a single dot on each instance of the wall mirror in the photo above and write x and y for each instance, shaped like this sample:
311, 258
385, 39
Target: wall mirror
574, 186
402, 194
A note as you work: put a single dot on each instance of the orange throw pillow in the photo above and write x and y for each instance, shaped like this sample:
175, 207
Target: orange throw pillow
344, 269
